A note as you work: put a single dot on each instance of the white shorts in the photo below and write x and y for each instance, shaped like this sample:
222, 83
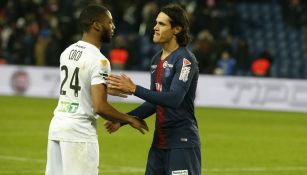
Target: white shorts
72, 158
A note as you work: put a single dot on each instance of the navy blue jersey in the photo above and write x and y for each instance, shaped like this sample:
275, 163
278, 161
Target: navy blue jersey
171, 97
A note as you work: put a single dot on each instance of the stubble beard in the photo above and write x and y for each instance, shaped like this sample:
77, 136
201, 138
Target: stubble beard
105, 37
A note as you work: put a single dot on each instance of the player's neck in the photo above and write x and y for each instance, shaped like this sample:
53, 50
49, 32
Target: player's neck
92, 40
168, 48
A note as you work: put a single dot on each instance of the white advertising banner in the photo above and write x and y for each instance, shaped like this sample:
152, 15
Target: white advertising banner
213, 91
29, 81
253, 93
45, 82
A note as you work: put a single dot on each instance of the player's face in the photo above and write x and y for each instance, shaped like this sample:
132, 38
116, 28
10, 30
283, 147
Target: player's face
163, 32
108, 28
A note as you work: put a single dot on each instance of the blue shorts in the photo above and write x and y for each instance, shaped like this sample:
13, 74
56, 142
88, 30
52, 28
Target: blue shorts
179, 161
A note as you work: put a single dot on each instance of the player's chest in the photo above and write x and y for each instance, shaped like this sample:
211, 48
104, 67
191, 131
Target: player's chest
162, 71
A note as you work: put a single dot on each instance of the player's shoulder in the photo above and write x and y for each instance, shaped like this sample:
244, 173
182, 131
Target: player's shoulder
104, 61
184, 53
91, 52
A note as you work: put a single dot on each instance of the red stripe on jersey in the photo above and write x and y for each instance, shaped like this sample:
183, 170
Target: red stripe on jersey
161, 137
161, 141
159, 72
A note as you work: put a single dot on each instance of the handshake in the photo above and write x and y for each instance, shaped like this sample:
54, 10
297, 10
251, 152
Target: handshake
122, 86
139, 124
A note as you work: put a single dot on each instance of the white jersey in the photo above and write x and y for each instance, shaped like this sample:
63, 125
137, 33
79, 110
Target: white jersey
81, 66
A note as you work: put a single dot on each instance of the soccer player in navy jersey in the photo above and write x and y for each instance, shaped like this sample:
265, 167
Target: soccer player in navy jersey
175, 148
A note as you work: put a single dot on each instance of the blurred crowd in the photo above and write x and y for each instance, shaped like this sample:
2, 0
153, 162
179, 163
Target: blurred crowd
35, 32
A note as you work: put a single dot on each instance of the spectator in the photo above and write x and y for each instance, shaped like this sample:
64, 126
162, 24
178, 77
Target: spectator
230, 17
133, 52
22, 22
225, 44
261, 66
149, 12
226, 64
31, 32
16, 42
293, 13
209, 16
119, 53
242, 56
40, 47
54, 49
132, 16
2, 59
205, 52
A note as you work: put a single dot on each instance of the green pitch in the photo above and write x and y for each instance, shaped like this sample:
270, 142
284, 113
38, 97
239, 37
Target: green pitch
234, 142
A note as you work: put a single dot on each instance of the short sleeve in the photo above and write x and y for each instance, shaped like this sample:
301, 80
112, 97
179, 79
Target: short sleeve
100, 71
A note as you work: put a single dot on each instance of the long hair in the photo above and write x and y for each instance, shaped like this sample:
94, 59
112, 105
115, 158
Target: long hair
180, 18
89, 15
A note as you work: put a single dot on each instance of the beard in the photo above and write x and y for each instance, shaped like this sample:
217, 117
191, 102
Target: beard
105, 36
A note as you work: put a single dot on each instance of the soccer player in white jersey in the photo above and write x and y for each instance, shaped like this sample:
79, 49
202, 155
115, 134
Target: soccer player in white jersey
72, 140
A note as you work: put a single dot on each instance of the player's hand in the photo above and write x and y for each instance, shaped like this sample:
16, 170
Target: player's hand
121, 82
116, 92
111, 126
138, 124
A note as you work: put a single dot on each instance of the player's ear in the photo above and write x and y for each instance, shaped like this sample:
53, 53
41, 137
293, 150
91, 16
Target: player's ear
177, 29
97, 26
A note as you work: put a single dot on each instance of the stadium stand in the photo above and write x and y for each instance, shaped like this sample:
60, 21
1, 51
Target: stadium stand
265, 29
34, 32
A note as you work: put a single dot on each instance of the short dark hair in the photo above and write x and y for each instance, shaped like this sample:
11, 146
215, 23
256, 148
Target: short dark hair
179, 17
89, 15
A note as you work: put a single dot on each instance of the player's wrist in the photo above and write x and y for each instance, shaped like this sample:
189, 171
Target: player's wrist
133, 89
130, 120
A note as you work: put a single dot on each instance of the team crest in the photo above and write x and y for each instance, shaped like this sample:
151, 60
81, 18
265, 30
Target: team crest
167, 72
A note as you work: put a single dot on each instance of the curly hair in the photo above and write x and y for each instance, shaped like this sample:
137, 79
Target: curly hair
89, 15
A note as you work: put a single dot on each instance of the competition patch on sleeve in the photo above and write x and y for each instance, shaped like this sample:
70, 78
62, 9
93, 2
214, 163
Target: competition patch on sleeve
104, 69
185, 70
104, 74
104, 62
186, 62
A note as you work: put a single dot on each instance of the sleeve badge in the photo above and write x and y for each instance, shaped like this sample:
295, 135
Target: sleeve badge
185, 70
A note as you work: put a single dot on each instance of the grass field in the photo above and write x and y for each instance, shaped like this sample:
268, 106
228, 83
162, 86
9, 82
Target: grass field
234, 142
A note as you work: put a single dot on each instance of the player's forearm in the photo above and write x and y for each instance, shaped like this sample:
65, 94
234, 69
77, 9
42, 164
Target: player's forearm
171, 99
111, 114
143, 111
